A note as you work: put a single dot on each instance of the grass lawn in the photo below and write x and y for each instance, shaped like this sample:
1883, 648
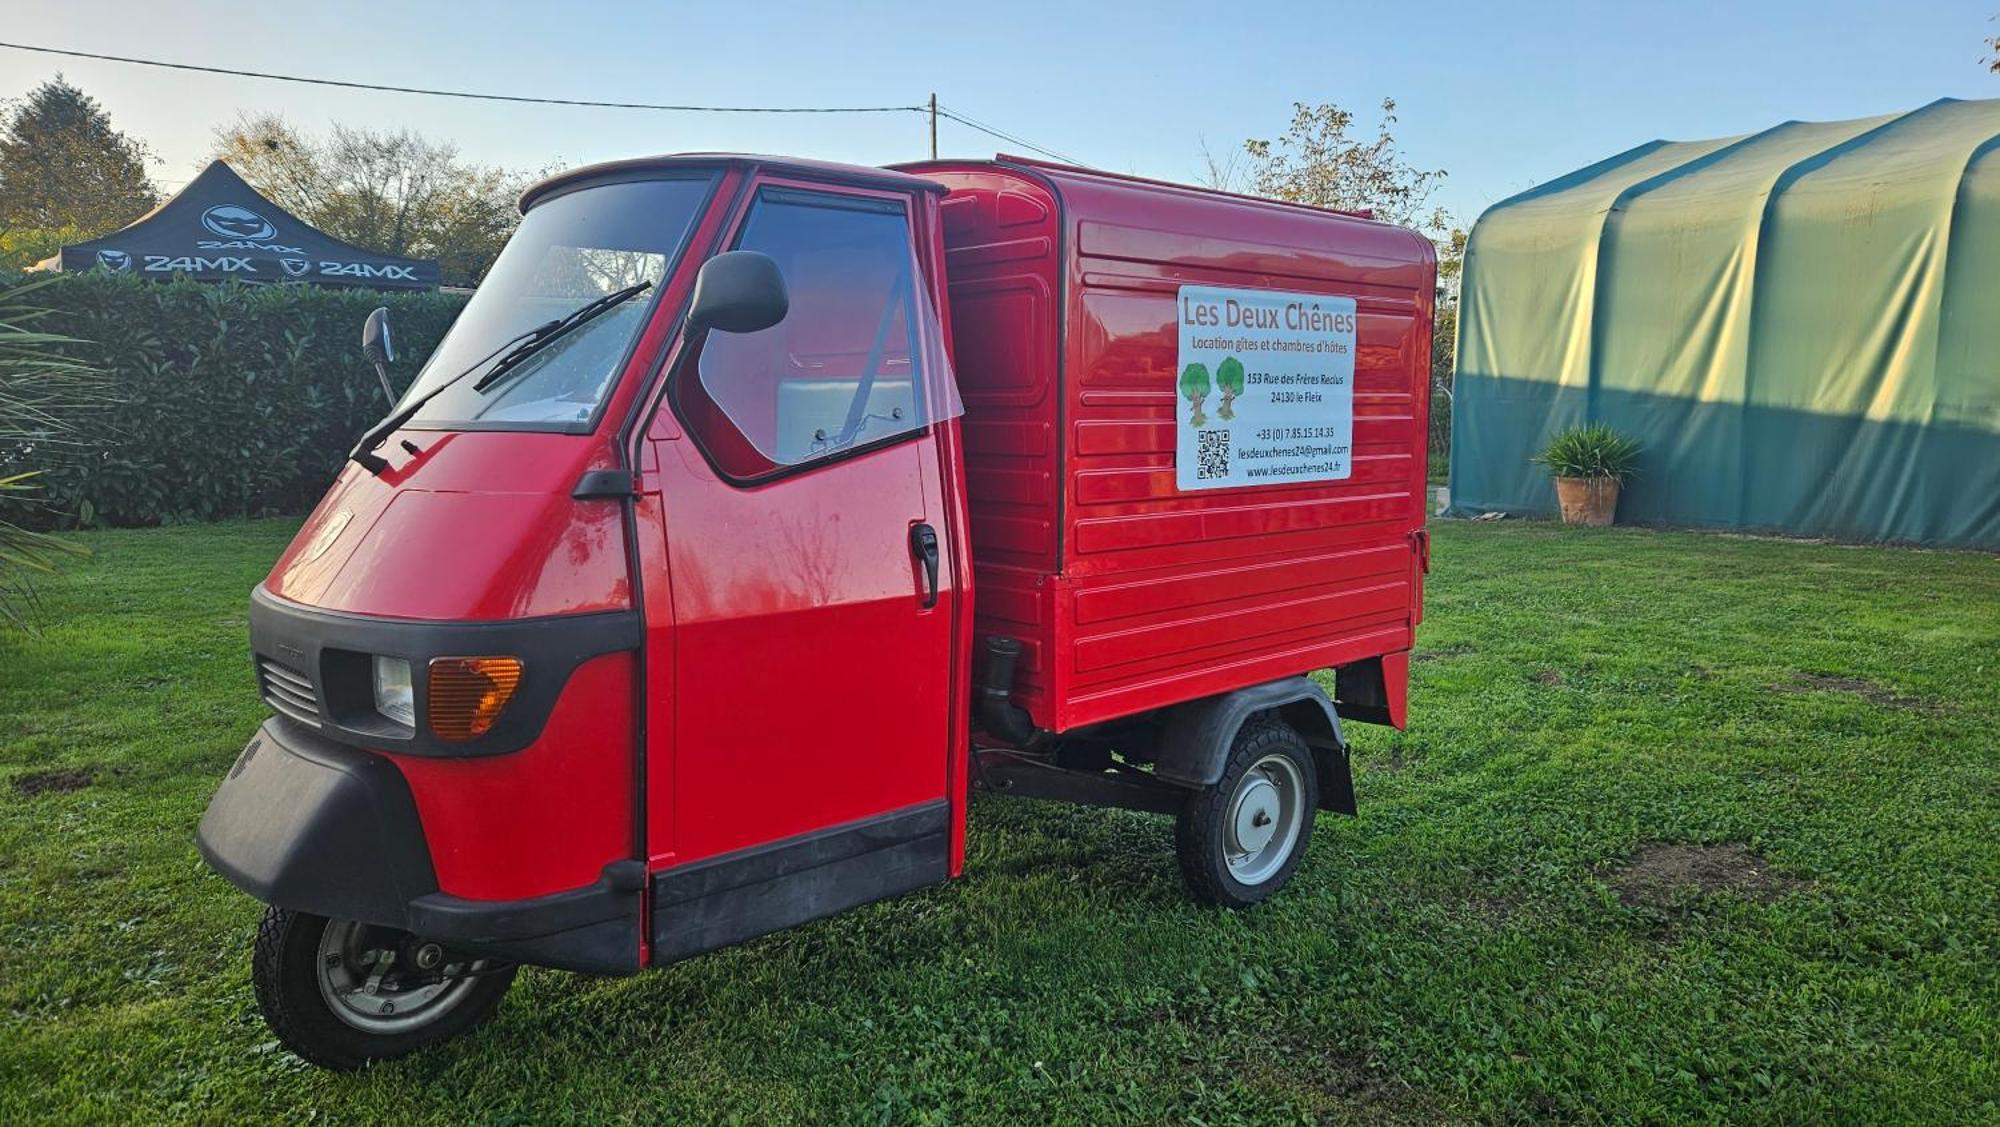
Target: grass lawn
1684, 827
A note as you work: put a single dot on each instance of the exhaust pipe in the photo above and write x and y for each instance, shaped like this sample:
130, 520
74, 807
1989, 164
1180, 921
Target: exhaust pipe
998, 713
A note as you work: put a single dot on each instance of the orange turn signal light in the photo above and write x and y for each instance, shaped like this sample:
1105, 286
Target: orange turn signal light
467, 694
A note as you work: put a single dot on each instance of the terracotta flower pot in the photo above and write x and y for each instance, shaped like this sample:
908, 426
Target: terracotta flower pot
1587, 500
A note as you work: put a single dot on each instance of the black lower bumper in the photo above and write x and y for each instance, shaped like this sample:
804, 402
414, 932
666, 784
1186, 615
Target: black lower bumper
304, 823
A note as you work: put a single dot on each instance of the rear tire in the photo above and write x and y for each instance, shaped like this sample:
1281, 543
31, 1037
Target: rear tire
313, 998
1240, 840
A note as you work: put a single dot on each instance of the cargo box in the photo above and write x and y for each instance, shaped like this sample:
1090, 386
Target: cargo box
1073, 297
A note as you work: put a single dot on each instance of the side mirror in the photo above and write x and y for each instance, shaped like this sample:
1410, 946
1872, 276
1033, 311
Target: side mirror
378, 348
738, 291
375, 342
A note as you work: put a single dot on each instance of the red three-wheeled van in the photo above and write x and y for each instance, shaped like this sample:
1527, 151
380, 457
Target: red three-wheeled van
754, 509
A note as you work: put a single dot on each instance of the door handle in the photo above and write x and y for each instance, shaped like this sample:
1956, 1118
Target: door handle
924, 545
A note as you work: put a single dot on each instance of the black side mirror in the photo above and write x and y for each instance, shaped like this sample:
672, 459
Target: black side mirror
375, 342
378, 348
738, 291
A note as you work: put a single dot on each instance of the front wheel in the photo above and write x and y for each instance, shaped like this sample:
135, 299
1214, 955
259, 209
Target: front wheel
1239, 840
342, 994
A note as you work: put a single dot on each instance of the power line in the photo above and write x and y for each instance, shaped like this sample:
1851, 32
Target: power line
1005, 136
933, 108
474, 96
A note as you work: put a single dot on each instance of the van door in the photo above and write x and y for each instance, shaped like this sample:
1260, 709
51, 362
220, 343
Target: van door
812, 604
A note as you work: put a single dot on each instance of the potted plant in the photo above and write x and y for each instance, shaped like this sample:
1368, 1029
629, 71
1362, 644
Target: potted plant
1588, 464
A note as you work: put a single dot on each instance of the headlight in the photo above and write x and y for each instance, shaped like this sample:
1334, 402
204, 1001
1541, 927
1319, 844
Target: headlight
394, 698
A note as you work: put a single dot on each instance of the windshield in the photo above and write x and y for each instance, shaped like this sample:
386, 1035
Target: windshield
568, 252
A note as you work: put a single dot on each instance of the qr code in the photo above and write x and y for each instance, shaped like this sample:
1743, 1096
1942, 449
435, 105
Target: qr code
1211, 455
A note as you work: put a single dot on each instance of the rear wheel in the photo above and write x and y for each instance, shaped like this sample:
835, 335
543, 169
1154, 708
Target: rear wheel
342, 994
1240, 840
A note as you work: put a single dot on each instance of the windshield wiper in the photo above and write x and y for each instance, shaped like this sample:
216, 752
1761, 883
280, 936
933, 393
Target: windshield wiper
555, 330
511, 352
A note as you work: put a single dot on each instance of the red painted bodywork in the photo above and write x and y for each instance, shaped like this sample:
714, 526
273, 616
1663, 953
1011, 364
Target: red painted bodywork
482, 527
1063, 288
790, 679
547, 817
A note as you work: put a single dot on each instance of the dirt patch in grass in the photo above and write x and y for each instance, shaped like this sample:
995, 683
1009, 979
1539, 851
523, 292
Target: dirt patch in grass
55, 782
1549, 677
1496, 907
1660, 870
1867, 690
1390, 760
1363, 1094
1456, 649
1290, 1059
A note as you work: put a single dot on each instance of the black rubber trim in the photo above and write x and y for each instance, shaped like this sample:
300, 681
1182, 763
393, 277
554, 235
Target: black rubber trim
305, 823
603, 485
336, 650
756, 891
594, 929
1198, 735
1360, 692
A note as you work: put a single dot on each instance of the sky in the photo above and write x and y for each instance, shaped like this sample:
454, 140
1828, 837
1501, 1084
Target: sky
1499, 95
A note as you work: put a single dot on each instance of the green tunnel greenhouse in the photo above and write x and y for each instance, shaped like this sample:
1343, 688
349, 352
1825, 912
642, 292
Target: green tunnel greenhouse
1800, 325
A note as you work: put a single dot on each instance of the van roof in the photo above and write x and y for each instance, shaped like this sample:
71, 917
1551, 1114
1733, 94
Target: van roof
1090, 195
1063, 169
861, 174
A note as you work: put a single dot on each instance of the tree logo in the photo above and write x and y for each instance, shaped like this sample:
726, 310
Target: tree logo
233, 222
115, 259
1229, 381
1195, 387
296, 267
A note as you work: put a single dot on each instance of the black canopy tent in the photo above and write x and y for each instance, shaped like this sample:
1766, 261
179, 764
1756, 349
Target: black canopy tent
219, 227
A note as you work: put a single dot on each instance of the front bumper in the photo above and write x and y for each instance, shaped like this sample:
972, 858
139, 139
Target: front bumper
305, 823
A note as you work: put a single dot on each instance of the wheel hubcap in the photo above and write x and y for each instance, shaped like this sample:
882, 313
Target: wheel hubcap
1262, 826
365, 986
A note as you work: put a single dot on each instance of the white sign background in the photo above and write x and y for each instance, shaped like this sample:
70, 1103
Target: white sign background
1292, 419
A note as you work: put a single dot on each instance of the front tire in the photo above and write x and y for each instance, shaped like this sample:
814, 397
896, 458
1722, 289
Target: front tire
343, 995
1240, 840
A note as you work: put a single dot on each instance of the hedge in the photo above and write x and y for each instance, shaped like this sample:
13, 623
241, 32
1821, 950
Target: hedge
229, 400
237, 400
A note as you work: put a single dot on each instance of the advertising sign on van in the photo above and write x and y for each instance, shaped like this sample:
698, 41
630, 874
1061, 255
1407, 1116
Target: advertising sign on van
1266, 388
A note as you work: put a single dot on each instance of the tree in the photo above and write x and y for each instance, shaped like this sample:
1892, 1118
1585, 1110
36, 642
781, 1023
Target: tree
1321, 161
1444, 345
1444, 337
1195, 388
398, 193
22, 247
65, 172
1229, 378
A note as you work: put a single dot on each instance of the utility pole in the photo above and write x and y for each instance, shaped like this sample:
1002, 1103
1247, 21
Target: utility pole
933, 125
